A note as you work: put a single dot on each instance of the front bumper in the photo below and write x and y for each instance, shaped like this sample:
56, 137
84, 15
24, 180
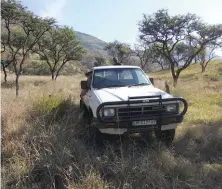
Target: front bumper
162, 119
167, 122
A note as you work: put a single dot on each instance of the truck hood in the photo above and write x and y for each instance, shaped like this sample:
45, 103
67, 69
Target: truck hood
122, 93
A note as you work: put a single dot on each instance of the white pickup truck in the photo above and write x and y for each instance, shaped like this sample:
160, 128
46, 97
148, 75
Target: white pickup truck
122, 100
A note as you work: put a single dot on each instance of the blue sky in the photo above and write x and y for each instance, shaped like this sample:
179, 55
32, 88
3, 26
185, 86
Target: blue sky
118, 19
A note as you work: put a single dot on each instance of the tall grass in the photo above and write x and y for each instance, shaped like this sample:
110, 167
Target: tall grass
45, 141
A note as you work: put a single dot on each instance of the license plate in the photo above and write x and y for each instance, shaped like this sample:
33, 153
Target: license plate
144, 122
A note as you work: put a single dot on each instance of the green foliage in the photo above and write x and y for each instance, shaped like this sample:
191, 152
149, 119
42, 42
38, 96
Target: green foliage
36, 67
21, 31
40, 67
21, 28
101, 61
52, 107
46, 104
119, 50
174, 37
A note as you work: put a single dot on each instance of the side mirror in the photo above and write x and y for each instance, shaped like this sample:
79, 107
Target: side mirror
84, 85
152, 80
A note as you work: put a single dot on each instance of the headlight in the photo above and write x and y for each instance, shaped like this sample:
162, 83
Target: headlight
171, 108
108, 112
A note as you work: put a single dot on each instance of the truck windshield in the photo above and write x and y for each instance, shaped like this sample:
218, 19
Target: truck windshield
119, 77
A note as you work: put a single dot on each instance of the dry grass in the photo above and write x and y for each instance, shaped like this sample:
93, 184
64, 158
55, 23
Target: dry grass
44, 142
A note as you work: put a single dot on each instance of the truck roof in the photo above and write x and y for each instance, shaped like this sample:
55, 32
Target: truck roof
112, 67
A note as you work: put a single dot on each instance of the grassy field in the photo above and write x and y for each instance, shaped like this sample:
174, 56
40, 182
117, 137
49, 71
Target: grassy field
44, 143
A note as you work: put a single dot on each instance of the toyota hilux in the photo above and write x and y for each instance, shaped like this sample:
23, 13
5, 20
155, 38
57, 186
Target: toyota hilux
122, 100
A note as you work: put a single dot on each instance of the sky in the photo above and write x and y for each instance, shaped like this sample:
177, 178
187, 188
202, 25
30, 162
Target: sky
111, 20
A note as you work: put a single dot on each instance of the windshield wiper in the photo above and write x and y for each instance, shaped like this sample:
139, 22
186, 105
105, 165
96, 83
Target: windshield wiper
111, 86
115, 86
139, 84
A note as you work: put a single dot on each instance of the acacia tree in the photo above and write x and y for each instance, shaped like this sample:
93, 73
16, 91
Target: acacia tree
205, 57
167, 31
22, 31
157, 57
100, 61
11, 10
118, 50
149, 55
142, 51
57, 47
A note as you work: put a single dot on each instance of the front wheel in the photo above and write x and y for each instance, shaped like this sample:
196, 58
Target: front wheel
95, 135
166, 136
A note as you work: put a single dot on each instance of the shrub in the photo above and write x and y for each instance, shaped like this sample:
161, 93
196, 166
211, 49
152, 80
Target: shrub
52, 107
36, 67
46, 104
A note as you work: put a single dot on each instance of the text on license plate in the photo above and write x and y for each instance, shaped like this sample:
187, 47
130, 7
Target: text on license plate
144, 122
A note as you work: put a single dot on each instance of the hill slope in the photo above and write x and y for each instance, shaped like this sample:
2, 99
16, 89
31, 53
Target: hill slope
91, 43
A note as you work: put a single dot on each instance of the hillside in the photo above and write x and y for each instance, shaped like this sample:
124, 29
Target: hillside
45, 142
91, 43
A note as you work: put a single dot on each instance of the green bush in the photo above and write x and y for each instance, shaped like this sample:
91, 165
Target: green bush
52, 107
36, 67
46, 104
40, 67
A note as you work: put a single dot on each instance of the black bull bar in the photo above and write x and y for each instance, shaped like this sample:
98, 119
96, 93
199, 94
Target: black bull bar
145, 99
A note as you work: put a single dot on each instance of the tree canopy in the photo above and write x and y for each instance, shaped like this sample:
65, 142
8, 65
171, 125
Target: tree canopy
176, 37
58, 46
22, 30
118, 50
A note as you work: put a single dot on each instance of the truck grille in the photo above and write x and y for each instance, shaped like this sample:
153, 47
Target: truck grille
134, 112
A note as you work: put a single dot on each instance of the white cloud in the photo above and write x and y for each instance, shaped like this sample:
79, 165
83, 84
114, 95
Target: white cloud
53, 8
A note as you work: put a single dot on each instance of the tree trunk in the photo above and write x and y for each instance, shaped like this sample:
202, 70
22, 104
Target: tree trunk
142, 66
57, 74
5, 73
17, 84
195, 59
161, 66
175, 81
53, 76
176, 77
203, 68
60, 68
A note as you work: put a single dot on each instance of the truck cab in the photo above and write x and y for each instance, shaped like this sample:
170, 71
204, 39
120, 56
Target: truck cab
122, 100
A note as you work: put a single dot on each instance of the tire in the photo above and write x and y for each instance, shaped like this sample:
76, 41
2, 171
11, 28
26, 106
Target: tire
81, 104
166, 136
83, 109
95, 135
